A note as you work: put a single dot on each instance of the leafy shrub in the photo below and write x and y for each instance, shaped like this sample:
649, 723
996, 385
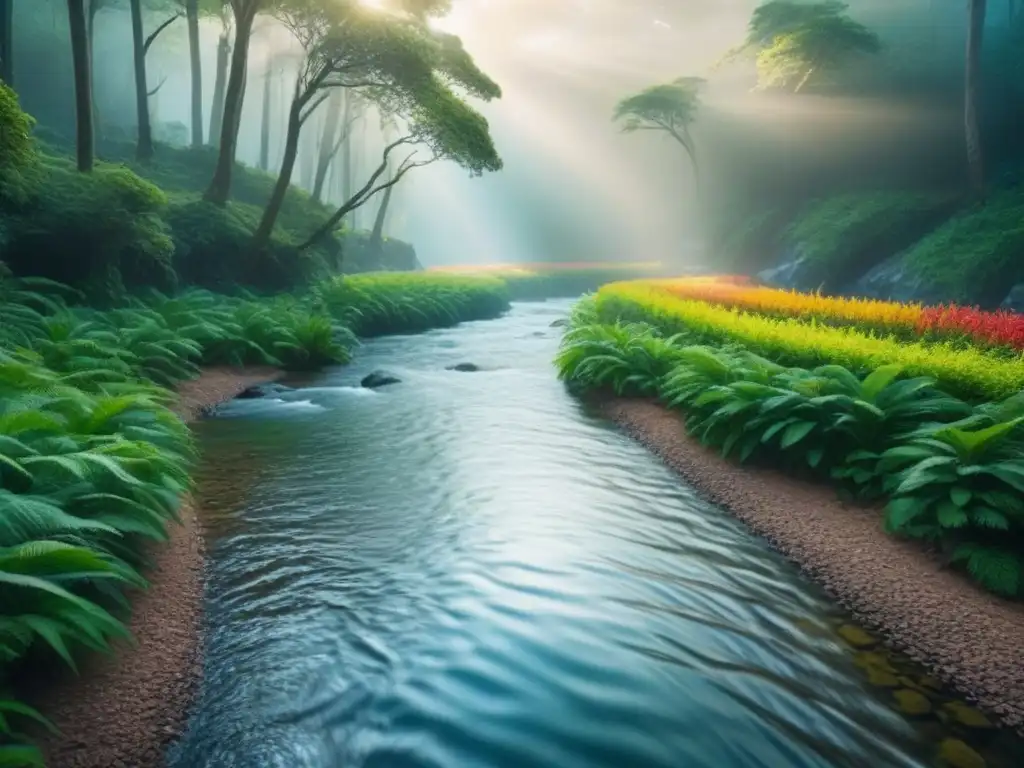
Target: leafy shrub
213, 249
977, 255
17, 149
99, 230
842, 237
964, 488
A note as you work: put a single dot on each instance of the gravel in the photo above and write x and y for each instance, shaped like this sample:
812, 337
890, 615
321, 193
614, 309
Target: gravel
971, 639
123, 709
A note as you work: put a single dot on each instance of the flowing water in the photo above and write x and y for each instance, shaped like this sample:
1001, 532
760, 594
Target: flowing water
469, 569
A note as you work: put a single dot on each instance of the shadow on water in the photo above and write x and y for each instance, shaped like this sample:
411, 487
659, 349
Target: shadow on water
469, 569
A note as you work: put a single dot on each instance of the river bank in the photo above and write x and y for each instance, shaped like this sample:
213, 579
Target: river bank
969, 638
124, 708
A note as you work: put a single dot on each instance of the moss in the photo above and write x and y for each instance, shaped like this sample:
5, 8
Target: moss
965, 715
976, 256
911, 702
856, 636
842, 237
17, 148
954, 753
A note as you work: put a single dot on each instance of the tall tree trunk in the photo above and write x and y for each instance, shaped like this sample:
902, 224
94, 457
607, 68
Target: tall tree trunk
376, 244
144, 147
97, 119
265, 124
972, 130
220, 185
7, 42
261, 237
308, 155
327, 142
346, 155
358, 152
196, 70
83, 84
220, 81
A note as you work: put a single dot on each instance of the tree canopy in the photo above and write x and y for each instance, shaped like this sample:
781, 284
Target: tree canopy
795, 42
670, 108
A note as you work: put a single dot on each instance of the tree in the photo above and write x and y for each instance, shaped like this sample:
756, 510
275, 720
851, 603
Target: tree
221, 75
972, 93
397, 60
195, 70
794, 42
328, 143
80, 57
244, 13
144, 147
670, 108
7, 41
439, 125
264, 161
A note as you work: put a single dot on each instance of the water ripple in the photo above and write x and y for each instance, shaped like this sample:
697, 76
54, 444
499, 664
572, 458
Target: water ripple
466, 569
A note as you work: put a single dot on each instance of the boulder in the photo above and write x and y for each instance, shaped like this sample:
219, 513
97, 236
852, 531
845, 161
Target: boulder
257, 391
892, 280
379, 379
562, 322
464, 367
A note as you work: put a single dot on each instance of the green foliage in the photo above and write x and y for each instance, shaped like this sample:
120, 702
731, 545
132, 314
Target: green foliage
797, 41
17, 149
100, 230
671, 107
847, 234
975, 256
964, 487
953, 473
373, 304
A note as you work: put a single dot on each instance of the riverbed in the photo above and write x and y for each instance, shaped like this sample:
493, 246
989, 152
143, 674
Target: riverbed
472, 569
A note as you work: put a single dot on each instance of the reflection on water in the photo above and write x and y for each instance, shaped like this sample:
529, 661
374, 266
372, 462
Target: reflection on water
468, 569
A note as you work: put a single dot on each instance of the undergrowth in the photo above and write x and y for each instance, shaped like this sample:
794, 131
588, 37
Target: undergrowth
950, 472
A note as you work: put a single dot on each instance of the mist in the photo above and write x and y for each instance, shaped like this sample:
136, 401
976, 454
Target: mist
573, 187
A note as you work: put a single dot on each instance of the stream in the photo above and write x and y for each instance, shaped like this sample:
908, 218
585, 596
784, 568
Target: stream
471, 569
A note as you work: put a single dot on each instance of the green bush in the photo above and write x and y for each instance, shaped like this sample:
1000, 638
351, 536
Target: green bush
953, 473
213, 249
102, 230
976, 256
842, 237
17, 148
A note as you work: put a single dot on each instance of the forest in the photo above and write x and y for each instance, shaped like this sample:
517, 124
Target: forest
196, 272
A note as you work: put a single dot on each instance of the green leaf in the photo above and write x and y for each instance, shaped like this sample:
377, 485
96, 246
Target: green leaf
996, 569
960, 496
21, 756
903, 510
796, 432
814, 457
950, 515
986, 517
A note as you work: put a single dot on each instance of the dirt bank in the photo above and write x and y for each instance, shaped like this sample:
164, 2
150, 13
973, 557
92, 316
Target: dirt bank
969, 638
123, 709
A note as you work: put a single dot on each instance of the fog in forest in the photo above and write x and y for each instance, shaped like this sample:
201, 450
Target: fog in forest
573, 186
